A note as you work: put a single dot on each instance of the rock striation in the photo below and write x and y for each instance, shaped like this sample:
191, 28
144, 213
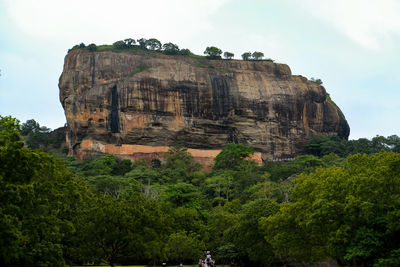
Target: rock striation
135, 103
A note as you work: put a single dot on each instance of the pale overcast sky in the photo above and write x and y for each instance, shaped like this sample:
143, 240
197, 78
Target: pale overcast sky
352, 45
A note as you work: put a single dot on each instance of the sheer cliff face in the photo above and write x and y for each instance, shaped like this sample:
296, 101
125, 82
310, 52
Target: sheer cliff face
154, 100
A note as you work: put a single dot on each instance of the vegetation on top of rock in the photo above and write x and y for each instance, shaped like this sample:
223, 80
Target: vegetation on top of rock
213, 52
228, 55
257, 56
317, 81
169, 48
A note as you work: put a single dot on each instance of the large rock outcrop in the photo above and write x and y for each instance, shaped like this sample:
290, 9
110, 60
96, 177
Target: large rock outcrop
135, 102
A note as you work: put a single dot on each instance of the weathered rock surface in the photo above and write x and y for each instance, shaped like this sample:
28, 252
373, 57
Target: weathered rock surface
150, 99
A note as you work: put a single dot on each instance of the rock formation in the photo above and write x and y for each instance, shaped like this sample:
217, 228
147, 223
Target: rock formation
137, 104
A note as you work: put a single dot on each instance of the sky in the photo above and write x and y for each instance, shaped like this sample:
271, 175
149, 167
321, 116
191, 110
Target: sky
353, 46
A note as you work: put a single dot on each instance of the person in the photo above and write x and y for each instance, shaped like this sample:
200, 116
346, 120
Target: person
208, 260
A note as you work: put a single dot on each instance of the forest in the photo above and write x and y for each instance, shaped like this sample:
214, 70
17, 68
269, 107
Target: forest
340, 201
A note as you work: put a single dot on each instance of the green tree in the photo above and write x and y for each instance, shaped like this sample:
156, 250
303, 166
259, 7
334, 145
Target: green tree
170, 49
257, 55
183, 247
153, 44
38, 199
349, 213
317, 81
182, 194
31, 126
179, 164
228, 55
92, 47
104, 165
248, 236
213, 52
113, 230
231, 156
129, 42
246, 56
220, 220
184, 52
222, 185
120, 45
142, 42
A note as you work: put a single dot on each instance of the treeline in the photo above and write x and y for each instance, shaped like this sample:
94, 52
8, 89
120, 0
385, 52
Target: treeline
313, 208
36, 136
169, 48
324, 145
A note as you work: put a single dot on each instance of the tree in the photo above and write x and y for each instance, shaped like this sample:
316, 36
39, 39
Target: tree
184, 52
222, 185
153, 44
38, 199
220, 220
213, 52
92, 47
248, 236
317, 81
142, 43
182, 195
113, 229
170, 49
104, 165
183, 247
179, 165
246, 55
257, 55
129, 42
228, 55
348, 213
231, 156
31, 126
120, 45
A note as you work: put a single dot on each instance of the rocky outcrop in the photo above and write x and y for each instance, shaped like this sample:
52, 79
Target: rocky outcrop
151, 99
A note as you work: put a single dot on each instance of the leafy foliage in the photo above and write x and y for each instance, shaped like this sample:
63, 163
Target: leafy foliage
228, 55
213, 52
348, 213
170, 49
246, 56
257, 55
107, 210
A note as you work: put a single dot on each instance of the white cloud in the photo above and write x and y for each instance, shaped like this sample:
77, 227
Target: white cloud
369, 23
100, 21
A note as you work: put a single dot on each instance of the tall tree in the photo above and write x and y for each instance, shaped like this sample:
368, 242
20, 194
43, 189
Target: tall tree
38, 199
228, 55
170, 49
257, 55
213, 52
153, 44
348, 213
246, 56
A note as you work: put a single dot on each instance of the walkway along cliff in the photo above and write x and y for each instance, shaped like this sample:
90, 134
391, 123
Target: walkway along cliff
136, 105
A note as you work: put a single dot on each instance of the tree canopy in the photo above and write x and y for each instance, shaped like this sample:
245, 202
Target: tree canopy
331, 204
213, 52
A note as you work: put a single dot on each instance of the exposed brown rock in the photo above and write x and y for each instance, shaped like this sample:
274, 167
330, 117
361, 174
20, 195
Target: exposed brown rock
155, 100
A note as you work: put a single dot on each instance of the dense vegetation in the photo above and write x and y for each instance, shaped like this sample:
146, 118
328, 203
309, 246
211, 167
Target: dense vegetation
154, 45
343, 206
